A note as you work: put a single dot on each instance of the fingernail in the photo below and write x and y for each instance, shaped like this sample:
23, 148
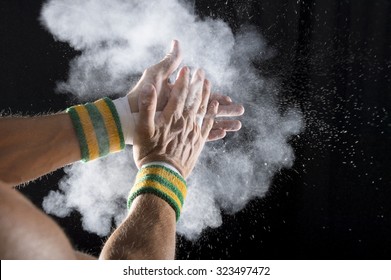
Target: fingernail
242, 110
185, 70
200, 73
173, 45
228, 99
238, 125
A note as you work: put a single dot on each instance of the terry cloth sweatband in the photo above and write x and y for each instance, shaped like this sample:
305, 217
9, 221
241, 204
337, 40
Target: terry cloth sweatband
98, 128
163, 182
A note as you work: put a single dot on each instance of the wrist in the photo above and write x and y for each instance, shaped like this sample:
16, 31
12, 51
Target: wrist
162, 160
161, 180
98, 128
164, 164
129, 116
133, 101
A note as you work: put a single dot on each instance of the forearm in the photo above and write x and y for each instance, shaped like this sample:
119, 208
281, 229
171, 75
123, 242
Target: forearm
147, 233
32, 147
154, 203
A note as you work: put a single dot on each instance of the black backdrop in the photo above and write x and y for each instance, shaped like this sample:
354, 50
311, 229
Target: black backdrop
332, 59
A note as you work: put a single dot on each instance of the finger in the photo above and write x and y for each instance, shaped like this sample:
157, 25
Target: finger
205, 99
232, 110
147, 107
194, 97
178, 95
171, 61
222, 99
227, 108
216, 134
209, 118
227, 125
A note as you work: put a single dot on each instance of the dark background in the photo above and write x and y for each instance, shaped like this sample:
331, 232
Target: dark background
332, 59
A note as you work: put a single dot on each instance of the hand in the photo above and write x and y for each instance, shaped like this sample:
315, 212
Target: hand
226, 109
158, 76
175, 137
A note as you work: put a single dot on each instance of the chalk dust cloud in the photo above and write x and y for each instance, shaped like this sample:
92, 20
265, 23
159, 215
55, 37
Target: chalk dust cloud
117, 40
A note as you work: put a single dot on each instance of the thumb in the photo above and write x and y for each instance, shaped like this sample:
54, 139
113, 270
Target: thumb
147, 101
171, 61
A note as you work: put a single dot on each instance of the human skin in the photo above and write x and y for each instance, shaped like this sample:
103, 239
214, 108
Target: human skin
158, 76
174, 137
33, 146
149, 230
26, 155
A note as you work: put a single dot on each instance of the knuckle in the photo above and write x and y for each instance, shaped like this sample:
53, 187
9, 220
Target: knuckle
176, 116
202, 110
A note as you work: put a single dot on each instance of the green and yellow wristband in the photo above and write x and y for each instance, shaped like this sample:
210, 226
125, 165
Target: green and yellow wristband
162, 182
98, 128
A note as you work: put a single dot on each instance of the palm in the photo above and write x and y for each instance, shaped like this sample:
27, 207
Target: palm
158, 75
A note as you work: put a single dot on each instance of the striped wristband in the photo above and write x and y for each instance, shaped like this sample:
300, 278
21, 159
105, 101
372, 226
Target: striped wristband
98, 128
162, 182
